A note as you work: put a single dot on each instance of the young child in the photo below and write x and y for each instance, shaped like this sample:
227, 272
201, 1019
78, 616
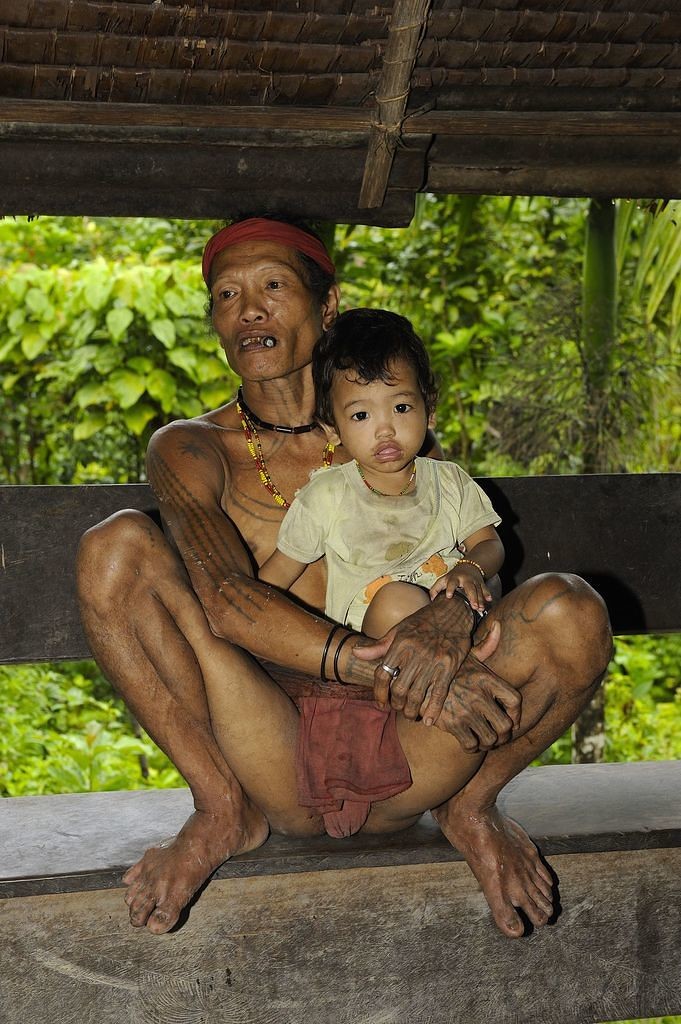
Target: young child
396, 529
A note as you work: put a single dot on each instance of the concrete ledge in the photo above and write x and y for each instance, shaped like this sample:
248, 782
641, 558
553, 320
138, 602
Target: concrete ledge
86, 841
371, 930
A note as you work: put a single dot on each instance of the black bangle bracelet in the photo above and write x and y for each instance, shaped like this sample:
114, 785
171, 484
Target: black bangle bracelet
343, 641
332, 632
477, 616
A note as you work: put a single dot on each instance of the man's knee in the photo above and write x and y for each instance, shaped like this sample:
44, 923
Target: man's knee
109, 552
573, 620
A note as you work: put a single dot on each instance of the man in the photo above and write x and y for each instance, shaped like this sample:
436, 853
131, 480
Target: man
188, 636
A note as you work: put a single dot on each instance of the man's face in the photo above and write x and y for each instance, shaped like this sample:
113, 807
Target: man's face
263, 311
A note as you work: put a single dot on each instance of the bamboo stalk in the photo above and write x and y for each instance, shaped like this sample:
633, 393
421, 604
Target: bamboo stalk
598, 336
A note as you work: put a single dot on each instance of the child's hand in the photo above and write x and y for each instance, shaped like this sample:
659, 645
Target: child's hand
466, 578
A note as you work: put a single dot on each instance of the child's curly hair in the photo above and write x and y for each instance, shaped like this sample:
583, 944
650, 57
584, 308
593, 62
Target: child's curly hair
368, 341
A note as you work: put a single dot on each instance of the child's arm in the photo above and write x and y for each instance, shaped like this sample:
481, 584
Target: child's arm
281, 570
484, 557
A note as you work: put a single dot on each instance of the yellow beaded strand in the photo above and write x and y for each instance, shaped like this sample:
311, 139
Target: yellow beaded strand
255, 448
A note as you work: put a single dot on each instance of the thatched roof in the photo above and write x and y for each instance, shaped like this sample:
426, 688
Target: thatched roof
337, 110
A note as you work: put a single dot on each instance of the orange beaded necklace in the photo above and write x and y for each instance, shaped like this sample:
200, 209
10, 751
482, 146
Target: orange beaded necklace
255, 448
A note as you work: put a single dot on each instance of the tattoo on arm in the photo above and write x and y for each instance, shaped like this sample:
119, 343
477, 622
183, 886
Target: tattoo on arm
203, 543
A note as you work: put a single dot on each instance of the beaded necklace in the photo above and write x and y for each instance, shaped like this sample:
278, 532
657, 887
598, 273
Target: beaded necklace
279, 428
375, 490
255, 448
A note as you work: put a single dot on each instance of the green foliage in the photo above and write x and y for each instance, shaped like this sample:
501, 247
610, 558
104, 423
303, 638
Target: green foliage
95, 356
494, 287
649, 1020
70, 241
642, 703
63, 732
102, 335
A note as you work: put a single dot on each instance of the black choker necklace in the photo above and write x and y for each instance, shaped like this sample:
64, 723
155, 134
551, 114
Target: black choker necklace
305, 428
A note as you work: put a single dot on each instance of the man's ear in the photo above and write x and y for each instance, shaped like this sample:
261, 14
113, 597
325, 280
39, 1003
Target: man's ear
431, 420
330, 306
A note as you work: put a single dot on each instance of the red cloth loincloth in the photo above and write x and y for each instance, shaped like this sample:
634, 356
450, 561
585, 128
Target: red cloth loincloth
348, 756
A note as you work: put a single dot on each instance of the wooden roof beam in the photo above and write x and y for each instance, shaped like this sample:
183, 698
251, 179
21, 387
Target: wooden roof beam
407, 28
84, 118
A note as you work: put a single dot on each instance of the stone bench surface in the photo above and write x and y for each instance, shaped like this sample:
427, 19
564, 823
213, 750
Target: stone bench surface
84, 841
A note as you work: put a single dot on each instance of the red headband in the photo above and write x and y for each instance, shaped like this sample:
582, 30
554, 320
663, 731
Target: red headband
261, 229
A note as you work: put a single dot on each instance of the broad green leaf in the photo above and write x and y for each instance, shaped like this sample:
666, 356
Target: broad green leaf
164, 330
7, 346
38, 303
83, 326
216, 393
17, 285
183, 357
189, 406
209, 368
175, 302
33, 343
9, 380
118, 320
92, 394
48, 329
456, 342
15, 319
126, 287
137, 417
106, 359
140, 364
126, 386
186, 302
161, 386
88, 426
98, 284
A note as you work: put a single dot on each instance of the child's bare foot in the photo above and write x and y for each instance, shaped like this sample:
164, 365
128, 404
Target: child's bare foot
505, 862
163, 881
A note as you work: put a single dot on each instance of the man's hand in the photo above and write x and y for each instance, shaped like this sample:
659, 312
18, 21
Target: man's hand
440, 682
480, 708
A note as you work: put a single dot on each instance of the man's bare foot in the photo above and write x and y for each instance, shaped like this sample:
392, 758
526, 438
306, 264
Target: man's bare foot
505, 862
162, 883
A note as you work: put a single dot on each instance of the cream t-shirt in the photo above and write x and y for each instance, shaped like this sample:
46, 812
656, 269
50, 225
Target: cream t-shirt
371, 539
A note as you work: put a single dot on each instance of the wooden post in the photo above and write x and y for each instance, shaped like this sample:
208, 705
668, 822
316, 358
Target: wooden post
407, 27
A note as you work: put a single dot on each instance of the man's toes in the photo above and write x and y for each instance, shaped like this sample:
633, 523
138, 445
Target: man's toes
140, 909
536, 908
543, 901
509, 921
131, 874
161, 920
545, 874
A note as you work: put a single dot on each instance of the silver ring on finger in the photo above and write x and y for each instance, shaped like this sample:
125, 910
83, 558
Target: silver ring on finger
392, 672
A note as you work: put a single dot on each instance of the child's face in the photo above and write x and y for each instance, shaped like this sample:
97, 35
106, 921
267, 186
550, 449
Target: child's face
382, 425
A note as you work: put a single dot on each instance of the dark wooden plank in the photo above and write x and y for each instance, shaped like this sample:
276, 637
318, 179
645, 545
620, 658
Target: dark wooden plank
621, 532
375, 945
218, 203
242, 166
85, 841
581, 524
40, 528
629, 173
